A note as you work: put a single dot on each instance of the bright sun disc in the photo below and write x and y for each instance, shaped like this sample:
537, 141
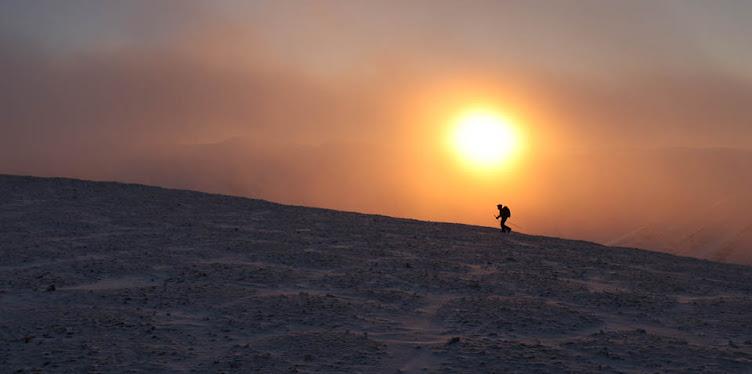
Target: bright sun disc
484, 139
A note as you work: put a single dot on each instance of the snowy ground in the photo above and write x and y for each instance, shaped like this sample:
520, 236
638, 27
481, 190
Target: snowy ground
109, 278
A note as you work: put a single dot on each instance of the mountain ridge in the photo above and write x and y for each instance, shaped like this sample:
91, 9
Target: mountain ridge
113, 277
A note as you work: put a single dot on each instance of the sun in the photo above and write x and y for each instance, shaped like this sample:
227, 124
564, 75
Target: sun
484, 139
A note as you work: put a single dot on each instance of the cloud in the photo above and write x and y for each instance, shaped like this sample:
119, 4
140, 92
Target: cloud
655, 108
241, 122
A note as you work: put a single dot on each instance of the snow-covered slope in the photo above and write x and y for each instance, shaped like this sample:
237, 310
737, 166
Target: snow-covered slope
717, 241
108, 278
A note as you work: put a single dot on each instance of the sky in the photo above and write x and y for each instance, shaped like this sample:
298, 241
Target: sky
629, 113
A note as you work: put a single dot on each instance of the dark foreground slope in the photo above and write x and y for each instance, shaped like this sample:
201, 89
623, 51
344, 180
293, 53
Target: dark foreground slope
108, 278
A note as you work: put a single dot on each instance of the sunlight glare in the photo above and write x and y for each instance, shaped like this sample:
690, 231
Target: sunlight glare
484, 139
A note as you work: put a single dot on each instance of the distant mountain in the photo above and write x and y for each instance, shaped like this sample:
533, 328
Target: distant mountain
111, 278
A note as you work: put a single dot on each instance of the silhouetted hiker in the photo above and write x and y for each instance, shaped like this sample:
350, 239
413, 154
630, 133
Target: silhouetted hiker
504, 213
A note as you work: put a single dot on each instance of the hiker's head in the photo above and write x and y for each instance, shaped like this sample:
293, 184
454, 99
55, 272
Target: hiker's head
499, 206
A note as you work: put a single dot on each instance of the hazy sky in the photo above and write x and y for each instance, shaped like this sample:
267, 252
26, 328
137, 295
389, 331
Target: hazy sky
345, 104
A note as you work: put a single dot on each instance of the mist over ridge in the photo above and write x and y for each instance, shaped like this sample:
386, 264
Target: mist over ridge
636, 113
671, 200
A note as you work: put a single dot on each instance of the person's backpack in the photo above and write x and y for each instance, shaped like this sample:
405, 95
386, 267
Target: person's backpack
505, 212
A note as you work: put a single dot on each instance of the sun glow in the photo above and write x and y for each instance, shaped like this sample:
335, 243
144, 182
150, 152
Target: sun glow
484, 139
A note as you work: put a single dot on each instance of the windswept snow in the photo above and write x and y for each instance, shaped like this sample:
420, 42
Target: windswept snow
108, 278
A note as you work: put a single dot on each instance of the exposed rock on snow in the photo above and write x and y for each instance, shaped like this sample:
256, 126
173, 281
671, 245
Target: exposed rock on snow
155, 280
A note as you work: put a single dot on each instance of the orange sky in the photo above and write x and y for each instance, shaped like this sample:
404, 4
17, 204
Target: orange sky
632, 112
